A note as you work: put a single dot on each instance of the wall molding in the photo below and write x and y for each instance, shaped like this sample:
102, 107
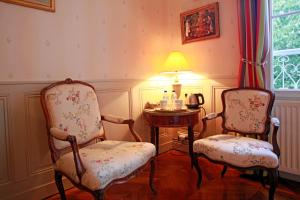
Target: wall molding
25, 82
214, 88
120, 90
7, 161
29, 96
141, 98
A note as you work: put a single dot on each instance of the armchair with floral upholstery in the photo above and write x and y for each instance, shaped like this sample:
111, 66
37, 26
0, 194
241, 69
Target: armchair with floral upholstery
244, 143
79, 149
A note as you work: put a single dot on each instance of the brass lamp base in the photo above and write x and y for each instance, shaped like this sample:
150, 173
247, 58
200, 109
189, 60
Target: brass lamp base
177, 89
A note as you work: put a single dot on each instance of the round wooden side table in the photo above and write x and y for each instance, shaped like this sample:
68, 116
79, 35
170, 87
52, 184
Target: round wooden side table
172, 118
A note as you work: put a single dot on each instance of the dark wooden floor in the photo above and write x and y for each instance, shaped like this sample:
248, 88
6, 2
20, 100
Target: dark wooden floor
174, 179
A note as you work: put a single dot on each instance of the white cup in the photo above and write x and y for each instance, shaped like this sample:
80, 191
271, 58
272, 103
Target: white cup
178, 104
163, 104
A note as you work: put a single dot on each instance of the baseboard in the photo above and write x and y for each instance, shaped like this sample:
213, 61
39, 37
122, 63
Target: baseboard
39, 192
289, 176
165, 147
180, 146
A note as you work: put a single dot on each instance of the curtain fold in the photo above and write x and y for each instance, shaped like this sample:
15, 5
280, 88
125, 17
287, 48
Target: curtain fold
253, 16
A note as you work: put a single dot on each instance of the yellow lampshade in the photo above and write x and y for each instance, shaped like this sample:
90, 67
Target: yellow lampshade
175, 62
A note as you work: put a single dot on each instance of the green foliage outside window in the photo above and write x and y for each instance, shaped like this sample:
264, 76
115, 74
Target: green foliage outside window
286, 35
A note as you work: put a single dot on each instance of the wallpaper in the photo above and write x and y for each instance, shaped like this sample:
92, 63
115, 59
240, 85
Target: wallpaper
108, 39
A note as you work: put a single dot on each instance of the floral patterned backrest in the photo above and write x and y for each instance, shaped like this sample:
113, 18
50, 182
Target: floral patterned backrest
74, 108
246, 110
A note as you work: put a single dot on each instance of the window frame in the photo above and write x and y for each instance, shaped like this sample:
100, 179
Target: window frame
284, 93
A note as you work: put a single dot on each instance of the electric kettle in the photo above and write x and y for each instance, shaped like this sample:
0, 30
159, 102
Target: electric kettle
194, 100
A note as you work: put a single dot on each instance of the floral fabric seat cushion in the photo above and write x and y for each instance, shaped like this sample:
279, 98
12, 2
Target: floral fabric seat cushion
106, 161
238, 151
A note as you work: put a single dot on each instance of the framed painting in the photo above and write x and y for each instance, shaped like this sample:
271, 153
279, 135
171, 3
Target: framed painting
48, 5
200, 23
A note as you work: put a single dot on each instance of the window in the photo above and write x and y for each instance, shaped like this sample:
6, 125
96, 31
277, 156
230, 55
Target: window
286, 44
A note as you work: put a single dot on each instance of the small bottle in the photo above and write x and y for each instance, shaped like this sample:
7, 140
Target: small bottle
173, 98
164, 101
165, 95
186, 99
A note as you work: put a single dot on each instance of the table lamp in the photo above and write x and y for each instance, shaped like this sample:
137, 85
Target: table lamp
175, 63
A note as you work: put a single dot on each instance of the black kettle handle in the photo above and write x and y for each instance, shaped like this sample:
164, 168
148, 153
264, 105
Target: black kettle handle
202, 98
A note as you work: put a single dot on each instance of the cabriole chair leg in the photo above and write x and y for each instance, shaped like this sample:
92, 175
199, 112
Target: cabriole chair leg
196, 164
99, 195
273, 175
151, 177
224, 171
59, 185
261, 177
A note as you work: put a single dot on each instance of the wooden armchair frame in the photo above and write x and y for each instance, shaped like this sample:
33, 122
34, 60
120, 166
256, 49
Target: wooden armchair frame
74, 147
272, 172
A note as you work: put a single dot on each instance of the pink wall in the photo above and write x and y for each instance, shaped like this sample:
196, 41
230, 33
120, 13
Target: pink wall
109, 39
83, 39
215, 58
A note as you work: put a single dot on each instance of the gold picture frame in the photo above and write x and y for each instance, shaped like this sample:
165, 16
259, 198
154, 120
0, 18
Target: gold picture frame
47, 5
200, 23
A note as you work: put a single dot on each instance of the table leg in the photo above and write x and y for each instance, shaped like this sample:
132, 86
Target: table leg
157, 139
191, 140
152, 136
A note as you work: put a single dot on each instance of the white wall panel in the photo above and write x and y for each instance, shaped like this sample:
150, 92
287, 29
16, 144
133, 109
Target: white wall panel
116, 102
38, 155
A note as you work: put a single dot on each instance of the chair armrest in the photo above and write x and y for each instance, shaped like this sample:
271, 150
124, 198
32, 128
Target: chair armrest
120, 120
59, 134
209, 116
114, 119
80, 170
276, 124
64, 136
275, 121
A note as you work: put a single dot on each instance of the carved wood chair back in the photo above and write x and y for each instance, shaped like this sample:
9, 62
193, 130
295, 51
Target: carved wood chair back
71, 106
247, 111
